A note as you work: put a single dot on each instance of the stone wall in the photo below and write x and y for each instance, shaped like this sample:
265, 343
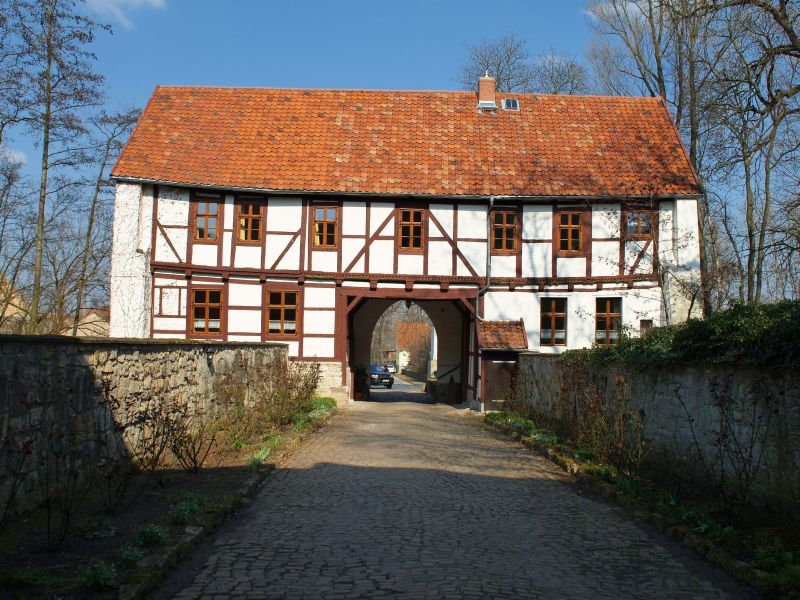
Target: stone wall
53, 393
686, 408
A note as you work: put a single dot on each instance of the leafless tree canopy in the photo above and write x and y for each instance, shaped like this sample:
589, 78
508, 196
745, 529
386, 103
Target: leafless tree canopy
507, 59
728, 71
54, 227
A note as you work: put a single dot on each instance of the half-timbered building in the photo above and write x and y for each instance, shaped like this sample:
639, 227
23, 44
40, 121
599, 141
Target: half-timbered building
301, 215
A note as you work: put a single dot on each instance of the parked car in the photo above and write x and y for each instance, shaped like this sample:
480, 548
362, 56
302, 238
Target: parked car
391, 367
378, 375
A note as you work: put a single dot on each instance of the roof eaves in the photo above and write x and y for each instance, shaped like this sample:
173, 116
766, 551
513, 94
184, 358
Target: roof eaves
294, 192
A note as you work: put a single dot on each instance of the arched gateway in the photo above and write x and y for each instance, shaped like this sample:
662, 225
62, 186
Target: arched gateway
546, 223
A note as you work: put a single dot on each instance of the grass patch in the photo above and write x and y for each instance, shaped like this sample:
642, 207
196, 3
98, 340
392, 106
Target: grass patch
28, 577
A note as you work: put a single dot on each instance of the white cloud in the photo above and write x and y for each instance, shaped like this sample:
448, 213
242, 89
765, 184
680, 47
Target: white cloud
12, 155
117, 9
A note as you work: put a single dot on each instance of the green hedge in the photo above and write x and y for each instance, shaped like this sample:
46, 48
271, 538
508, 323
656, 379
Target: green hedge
766, 335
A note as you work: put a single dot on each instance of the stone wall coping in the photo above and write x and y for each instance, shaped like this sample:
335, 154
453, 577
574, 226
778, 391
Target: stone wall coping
103, 341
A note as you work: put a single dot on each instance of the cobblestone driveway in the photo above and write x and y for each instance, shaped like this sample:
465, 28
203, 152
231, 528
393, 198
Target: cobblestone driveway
420, 501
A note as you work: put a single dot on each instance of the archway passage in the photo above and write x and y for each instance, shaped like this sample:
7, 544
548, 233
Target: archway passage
452, 324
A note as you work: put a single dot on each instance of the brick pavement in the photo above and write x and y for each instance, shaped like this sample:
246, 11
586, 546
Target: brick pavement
403, 500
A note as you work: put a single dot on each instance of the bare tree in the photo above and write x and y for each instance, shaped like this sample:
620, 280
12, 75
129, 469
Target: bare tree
505, 58
113, 130
556, 73
53, 38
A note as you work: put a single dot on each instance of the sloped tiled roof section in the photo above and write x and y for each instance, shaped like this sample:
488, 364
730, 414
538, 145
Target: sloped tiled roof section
412, 142
502, 335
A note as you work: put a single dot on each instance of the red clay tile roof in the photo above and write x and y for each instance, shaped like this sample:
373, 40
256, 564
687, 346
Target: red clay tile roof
502, 335
412, 142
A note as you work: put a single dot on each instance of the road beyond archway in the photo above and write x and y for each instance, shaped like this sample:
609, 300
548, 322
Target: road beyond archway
411, 500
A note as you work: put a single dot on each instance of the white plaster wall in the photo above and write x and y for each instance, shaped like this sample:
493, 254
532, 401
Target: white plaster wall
377, 213
163, 252
244, 320
354, 218
228, 212
130, 280
169, 336
170, 323
247, 257
350, 248
513, 306
321, 347
472, 221
316, 297
319, 321
284, 214
381, 256
170, 302
581, 311
686, 235
204, 254
323, 261
606, 221
605, 258
440, 258
537, 222
227, 241
537, 259
410, 264
244, 338
475, 253
294, 347
571, 267
291, 260
173, 206
444, 214
504, 266
275, 244
244, 294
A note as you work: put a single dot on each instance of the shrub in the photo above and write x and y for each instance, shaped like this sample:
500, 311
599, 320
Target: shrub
179, 513
766, 335
152, 535
259, 457
100, 576
129, 555
257, 398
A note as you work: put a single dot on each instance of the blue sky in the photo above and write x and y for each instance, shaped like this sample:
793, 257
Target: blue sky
375, 44
382, 44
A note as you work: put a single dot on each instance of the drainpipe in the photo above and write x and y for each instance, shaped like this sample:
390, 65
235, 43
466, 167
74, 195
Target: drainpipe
482, 291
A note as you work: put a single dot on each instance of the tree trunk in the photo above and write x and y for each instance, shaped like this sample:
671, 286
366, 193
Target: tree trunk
88, 239
48, 92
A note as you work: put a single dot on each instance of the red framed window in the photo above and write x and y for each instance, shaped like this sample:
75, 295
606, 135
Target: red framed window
608, 321
410, 230
645, 326
249, 227
505, 228
570, 237
325, 226
206, 219
640, 223
553, 322
281, 312
207, 311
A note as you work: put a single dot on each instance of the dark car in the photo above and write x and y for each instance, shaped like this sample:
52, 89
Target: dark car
378, 375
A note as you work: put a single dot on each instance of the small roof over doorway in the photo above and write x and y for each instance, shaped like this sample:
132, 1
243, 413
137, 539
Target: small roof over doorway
502, 335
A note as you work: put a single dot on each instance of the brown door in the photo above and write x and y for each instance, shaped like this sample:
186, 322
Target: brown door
498, 377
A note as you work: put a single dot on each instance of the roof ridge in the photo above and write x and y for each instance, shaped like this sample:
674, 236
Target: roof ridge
398, 91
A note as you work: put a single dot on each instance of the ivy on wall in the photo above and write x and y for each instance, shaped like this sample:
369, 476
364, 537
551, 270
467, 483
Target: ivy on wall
765, 335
